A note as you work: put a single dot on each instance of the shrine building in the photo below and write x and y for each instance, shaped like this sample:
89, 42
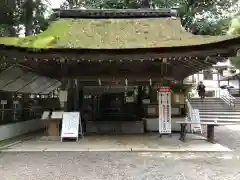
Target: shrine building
111, 63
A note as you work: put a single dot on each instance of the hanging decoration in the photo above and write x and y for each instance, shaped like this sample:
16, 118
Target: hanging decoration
99, 82
150, 82
126, 86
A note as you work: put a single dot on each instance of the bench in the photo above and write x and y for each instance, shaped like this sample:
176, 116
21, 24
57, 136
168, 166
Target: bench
210, 128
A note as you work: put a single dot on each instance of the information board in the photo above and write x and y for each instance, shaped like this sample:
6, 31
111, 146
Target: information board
70, 125
3, 102
45, 115
164, 103
57, 115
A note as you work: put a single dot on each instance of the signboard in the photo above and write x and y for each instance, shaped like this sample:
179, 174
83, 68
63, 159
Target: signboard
57, 115
70, 125
164, 103
196, 118
146, 101
129, 99
3, 102
164, 89
63, 96
16, 102
45, 115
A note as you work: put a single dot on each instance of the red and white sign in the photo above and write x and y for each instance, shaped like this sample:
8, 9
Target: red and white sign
164, 89
164, 100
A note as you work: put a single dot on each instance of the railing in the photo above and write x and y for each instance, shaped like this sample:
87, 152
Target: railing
193, 115
234, 92
225, 96
16, 115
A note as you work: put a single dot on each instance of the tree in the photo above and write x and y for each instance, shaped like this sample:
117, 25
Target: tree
208, 16
235, 30
17, 13
8, 17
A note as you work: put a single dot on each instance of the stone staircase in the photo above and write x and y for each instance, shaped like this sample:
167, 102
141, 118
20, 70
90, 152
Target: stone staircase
215, 109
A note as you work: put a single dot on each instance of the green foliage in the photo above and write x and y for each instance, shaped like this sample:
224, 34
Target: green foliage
235, 26
235, 30
208, 16
15, 13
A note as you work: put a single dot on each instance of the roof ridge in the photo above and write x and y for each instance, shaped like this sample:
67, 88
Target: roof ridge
115, 13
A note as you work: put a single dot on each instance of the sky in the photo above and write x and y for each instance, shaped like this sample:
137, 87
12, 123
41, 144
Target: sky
56, 3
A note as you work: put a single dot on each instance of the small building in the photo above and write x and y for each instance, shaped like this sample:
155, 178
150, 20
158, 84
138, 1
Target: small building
112, 62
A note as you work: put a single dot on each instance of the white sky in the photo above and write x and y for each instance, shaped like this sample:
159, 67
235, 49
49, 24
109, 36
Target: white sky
56, 3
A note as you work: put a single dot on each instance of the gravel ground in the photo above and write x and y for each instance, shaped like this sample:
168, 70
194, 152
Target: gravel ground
126, 166
115, 166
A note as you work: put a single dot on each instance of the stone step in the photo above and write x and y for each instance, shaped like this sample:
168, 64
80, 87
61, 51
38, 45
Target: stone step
230, 116
197, 107
222, 112
220, 120
216, 110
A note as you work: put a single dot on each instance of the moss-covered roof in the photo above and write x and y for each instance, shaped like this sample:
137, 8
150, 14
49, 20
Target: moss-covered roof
113, 34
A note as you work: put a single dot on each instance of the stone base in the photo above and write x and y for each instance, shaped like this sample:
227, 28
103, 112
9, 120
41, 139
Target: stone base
118, 127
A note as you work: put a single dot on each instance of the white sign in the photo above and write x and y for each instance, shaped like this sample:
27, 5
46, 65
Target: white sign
164, 103
45, 115
3, 102
63, 96
146, 101
196, 118
15, 102
70, 125
129, 99
57, 115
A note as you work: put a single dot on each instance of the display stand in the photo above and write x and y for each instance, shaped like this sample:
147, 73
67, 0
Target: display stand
164, 103
70, 125
52, 122
196, 128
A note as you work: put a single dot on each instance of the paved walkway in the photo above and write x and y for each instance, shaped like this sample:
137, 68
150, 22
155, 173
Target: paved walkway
127, 143
229, 136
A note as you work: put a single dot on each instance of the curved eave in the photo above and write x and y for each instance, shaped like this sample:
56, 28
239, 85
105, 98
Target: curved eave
225, 48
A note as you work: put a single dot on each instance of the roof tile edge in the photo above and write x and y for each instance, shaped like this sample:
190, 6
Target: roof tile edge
114, 13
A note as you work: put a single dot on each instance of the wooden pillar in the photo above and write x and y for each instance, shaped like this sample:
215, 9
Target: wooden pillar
76, 98
71, 93
63, 105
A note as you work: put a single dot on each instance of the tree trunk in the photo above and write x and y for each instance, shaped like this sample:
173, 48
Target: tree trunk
146, 4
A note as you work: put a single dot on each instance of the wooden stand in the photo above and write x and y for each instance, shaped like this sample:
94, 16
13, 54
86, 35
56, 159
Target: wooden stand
52, 127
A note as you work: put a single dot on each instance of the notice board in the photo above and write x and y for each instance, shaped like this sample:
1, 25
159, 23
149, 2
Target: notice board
70, 125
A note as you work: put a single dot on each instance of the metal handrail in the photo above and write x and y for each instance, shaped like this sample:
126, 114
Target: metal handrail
227, 97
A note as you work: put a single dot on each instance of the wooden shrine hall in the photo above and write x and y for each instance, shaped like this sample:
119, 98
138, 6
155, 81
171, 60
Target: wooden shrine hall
110, 61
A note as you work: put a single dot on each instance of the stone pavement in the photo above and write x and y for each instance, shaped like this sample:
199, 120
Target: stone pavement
229, 136
127, 143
